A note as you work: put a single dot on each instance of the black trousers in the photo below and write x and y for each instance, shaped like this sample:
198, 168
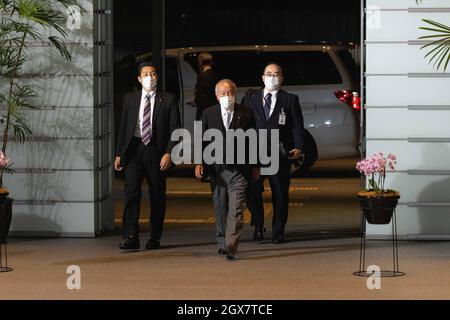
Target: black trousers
143, 163
279, 185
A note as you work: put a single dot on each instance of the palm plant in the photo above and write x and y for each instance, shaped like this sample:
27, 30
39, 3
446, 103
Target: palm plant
440, 54
24, 21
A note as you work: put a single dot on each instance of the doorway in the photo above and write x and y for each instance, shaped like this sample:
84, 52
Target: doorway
197, 24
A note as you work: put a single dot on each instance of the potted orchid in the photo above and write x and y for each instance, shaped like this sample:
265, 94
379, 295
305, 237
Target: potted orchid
377, 202
5, 202
5, 166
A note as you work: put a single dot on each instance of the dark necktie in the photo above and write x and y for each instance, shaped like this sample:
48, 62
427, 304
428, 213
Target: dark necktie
267, 104
146, 120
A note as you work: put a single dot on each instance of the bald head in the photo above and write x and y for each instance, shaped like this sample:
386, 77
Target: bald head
225, 87
273, 68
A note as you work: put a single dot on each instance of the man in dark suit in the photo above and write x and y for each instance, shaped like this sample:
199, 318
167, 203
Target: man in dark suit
205, 96
275, 109
229, 180
143, 148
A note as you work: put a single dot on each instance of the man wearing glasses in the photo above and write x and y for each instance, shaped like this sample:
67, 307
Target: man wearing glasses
275, 109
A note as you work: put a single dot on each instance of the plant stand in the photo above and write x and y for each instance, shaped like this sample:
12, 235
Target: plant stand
362, 252
3, 246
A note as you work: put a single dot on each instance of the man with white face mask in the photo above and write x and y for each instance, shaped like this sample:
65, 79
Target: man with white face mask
143, 148
275, 109
228, 180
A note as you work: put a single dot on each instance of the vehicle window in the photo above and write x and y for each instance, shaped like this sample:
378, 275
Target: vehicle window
243, 67
350, 64
172, 77
299, 67
305, 67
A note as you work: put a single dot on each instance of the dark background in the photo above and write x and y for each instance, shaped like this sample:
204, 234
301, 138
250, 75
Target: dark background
212, 22
191, 23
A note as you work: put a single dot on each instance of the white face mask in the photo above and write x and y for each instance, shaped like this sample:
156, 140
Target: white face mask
227, 101
149, 83
272, 83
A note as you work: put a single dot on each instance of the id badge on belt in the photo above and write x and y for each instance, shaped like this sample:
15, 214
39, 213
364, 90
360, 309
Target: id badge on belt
282, 117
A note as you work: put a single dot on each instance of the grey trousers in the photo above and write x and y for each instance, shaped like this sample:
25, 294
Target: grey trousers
228, 192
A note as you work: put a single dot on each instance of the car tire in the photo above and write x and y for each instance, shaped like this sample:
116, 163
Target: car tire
309, 154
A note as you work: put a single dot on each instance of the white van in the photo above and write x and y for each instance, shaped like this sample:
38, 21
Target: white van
324, 77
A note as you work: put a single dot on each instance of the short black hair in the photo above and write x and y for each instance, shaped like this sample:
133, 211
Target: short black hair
274, 63
205, 59
146, 64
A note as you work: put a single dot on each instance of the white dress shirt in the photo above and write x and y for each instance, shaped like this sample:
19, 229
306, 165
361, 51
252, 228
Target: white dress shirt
138, 130
225, 115
274, 99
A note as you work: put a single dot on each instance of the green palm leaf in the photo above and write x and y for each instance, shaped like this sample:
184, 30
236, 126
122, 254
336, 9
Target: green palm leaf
440, 54
22, 22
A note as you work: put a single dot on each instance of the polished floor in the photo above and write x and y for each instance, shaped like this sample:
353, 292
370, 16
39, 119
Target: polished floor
316, 262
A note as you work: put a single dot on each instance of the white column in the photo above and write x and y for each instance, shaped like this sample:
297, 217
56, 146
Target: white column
53, 189
408, 114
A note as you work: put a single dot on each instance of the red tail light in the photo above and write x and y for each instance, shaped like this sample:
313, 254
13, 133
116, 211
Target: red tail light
352, 99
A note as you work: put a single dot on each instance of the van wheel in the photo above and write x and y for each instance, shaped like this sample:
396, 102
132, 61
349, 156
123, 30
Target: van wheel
309, 154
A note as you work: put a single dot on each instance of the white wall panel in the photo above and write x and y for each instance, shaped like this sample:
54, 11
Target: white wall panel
404, 4
420, 187
55, 154
59, 185
62, 91
414, 156
415, 223
407, 98
404, 123
403, 58
63, 123
403, 91
60, 219
402, 25
45, 59
68, 88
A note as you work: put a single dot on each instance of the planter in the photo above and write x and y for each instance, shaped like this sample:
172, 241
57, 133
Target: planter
5, 217
378, 208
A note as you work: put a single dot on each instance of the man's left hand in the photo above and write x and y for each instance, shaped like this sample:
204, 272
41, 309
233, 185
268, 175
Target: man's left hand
256, 172
294, 154
166, 162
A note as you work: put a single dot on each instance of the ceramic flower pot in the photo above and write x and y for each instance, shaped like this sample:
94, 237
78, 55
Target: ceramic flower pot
378, 209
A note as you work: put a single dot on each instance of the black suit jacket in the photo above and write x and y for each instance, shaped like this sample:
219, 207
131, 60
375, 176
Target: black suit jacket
165, 120
205, 95
292, 132
243, 118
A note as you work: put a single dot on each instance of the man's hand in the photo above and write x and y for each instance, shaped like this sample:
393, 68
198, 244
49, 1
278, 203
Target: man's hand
166, 162
117, 166
199, 171
256, 172
294, 154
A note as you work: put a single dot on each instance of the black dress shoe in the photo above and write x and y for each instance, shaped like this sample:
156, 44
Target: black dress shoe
222, 252
132, 243
231, 252
279, 239
152, 244
258, 234
205, 179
